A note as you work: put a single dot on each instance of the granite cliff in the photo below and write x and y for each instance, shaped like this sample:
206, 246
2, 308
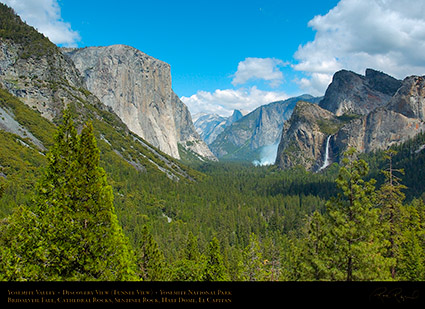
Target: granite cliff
375, 117
138, 89
304, 136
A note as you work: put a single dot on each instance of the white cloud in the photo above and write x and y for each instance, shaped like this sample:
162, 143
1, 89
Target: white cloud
223, 102
45, 16
387, 35
259, 68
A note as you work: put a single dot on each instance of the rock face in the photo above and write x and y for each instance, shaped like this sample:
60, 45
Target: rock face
187, 137
371, 122
141, 100
379, 129
410, 98
351, 93
304, 136
138, 89
246, 138
45, 83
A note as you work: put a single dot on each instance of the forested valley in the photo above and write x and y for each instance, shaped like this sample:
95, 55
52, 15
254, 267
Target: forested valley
81, 213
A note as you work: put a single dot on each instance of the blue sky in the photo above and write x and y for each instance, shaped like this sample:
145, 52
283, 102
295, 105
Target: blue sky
242, 54
203, 41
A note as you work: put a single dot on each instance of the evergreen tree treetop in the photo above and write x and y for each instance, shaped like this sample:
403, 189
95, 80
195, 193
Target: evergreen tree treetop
71, 231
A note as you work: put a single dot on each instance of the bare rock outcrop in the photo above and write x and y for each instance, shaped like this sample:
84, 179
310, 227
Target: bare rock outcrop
352, 93
138, 89
304, 136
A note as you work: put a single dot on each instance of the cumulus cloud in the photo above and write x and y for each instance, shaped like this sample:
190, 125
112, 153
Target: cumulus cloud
45, 16
223, 102
387, 35
259, 68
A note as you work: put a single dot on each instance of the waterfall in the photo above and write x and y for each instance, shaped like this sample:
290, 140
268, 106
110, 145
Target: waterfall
326, 160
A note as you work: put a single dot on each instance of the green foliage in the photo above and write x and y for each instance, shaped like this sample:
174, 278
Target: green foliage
317, 255
150, 260
409, 157
19, 167
34, 44
390, 200
70, 231
346, 242
191, 262
355, 226
215, 269
253, 264
41, 128
411, 243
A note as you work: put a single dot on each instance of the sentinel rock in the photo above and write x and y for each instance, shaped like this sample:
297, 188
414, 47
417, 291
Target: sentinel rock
138, 89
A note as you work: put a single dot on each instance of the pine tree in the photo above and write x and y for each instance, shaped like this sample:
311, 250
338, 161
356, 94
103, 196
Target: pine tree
150, 260
215, 269
2, 185
390, 199
293, 263
71, 231
411, 250
190, 263
316, 248
356, 238
253, 264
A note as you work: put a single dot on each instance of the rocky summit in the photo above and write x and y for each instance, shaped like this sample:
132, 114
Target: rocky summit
353, 93
369, 113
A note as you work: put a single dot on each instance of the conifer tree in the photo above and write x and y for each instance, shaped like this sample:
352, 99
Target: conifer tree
316, 248
253, 264
150, 260
356, 239
411, 251
390, 199
215, 269
191, 262
293, 263
71, 231
2, 186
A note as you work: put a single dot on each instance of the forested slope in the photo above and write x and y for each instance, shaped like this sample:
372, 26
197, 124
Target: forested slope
239, 212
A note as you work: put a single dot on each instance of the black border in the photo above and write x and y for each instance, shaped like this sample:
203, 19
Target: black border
276, 294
